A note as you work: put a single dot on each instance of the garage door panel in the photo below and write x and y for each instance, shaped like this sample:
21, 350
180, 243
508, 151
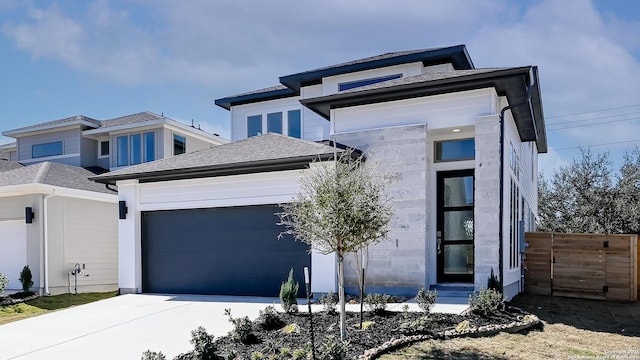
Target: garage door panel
219, 251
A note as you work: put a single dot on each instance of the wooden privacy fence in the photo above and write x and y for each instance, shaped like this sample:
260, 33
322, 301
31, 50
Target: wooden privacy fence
582, 265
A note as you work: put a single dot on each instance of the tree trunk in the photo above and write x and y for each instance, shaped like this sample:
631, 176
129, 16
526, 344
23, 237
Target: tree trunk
343, 321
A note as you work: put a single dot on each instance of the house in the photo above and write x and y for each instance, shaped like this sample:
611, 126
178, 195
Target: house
52, 218
462, 141
106, 144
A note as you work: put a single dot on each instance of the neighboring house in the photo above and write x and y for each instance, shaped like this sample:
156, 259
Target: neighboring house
107, 144
52, 217
8, 152
462, 141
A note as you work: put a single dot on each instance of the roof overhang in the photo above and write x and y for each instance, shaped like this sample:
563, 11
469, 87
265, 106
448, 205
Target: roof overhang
8, 147
227, 102
151, 124
511, 83
250, 167
42, 128
45, 189
456, 55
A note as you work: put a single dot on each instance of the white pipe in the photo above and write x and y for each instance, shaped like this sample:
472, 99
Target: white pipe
46, 242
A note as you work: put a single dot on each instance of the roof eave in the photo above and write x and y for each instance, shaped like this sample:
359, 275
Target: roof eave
228, 102
24, 131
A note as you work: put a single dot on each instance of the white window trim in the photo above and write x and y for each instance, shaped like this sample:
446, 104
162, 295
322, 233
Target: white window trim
100, 149
47, 158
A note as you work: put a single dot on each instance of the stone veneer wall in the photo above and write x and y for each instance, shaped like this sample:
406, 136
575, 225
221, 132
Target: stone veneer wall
398, 265
487, 198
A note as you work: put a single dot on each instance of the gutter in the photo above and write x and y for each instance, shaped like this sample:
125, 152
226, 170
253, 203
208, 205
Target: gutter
501, 220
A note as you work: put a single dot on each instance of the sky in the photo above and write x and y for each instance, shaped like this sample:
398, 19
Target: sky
105, 59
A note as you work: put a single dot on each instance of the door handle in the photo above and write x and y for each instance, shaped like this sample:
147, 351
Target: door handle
439, 242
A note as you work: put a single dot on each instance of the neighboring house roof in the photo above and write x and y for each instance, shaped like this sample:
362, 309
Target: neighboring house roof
268, 152
291, 84
9, 146
509, 82
72, 120
6, 165
131, 119
54, 174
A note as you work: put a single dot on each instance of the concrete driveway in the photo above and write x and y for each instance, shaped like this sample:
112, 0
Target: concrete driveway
125, 326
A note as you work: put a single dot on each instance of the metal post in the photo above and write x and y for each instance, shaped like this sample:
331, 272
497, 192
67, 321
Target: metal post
307, 282
361, 297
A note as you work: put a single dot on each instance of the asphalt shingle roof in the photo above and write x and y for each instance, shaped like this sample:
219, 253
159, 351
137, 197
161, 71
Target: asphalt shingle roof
54, 174
131, 119
61, 122
6, 165
253, 150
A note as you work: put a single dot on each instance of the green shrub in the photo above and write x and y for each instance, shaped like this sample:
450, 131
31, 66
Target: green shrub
486, 302
333, 349
203, 345
299, 354
152, 355
3, 283
289, 293
329, 302
269, 319
493, 283
377, 303
418, 326
242, 329
26, 279
426, 299
257, 355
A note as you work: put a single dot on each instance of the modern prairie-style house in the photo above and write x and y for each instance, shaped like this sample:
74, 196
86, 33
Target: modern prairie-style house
53, 217
462, 141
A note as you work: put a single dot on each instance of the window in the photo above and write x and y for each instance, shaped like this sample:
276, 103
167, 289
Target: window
122, 143
254, 125
453, 150
136, 149
294, 124
47, 149
104, 148
149, 153
179, 144
274, 122
354, 84
514, 226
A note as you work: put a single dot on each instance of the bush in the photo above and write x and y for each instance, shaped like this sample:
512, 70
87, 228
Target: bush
377, 302
418, 326
486, 302
269, 319
203, 345
426, 299
26, 279
152, 355
329, 302
299, 354
242, 329
333, 349
289, 293
493, 283
3, 283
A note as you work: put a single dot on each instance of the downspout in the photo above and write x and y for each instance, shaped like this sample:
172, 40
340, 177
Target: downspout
46, 241
501, 219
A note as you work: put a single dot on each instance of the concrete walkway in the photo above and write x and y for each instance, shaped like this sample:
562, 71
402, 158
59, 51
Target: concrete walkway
124, 327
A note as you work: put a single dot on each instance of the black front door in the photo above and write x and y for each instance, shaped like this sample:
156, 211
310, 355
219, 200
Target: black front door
454, 234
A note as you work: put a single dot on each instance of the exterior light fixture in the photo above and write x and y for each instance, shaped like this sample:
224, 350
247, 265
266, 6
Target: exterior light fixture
122, 209
29, 215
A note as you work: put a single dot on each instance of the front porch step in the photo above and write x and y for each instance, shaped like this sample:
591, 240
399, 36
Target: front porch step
453, 290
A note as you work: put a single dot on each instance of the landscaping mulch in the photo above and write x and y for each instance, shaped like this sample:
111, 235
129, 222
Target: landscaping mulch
17, 298
385, 326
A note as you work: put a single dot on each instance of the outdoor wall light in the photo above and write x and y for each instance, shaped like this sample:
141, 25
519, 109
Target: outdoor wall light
122, 209
28, 215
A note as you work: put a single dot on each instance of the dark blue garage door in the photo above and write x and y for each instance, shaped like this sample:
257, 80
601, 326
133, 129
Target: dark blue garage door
224, 251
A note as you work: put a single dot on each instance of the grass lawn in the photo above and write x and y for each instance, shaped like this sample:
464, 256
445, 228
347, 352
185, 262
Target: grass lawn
572, 328
45, 304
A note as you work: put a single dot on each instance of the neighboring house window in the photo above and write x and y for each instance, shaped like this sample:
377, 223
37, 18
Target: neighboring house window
149, 147
122, 143
136, 149
454, 150
274, 122
294, 124
47, 149
179, 144
104, 148
254, 125
354, 84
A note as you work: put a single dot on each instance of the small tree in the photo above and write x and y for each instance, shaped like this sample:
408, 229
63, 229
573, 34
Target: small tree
340, 209
26, 279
